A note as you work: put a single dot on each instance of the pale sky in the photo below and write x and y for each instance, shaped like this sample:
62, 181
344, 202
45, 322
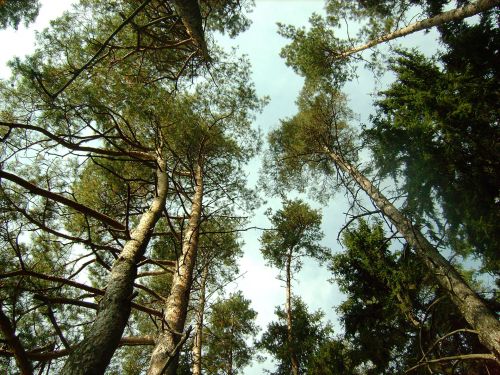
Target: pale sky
262, 44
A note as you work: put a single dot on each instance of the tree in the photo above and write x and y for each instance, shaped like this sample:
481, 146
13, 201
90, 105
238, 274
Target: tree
309, 335
457, 14
151, 135
217, 266
319, 133
395, 317
12, 13
230, 324
445, 117
295, 234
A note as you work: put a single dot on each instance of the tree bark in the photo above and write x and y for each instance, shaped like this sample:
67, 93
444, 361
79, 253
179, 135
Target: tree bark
189, 11
198, 339
452, 15
9, 333
93, 354
288, 307
472, 308
177, 302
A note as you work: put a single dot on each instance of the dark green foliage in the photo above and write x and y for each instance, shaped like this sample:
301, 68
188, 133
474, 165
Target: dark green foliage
310, 333
437, 132
393, 313
13, 12
230, 324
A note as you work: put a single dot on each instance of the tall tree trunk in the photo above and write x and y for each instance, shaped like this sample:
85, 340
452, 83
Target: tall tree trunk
9, 334
452, 15
93, 354
288, 307
472, 308
177, 302
198, 338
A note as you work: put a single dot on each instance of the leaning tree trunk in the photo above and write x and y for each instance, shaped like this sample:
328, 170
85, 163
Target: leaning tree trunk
93, 354
472, 308
452, 15
189, 11
177, 302
198, 338
288, 307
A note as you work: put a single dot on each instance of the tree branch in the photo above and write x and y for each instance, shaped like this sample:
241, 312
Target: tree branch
61, 199
452, 15
13, 341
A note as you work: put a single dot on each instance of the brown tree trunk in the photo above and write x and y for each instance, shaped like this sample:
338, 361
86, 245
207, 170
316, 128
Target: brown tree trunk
189, 11
198, 338
93, 354
472, 308
452, 15
288, 307
9, 334
177, 302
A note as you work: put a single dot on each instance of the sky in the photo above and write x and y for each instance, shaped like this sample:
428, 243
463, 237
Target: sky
272, 78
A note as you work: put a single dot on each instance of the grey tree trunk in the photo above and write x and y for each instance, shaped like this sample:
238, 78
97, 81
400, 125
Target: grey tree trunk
177, 302
93, 354
288, 307
198, 338
472, 308
452, 15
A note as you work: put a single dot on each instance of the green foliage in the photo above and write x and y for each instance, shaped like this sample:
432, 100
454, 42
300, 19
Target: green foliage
296, 233
13, 12
309, 335
230, 324
393, 313
311, 53
299, 147
227, 16
435, 131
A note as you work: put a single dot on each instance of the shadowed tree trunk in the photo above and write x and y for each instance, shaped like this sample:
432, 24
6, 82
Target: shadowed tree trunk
93, 354
177, 302
9, 334
452, 15
472, 308
189, 11
198, 339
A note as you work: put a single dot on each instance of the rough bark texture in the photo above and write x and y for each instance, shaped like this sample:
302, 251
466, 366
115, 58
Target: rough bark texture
94, 353
177, 302
288, 307
189, 11
452, 15
472, 308
9, 334
198, 339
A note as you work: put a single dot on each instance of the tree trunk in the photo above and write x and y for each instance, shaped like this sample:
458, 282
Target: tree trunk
177, 302
9, 334
472, 308
189, 11
198, 338
288, 307
93, 354
452, 15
